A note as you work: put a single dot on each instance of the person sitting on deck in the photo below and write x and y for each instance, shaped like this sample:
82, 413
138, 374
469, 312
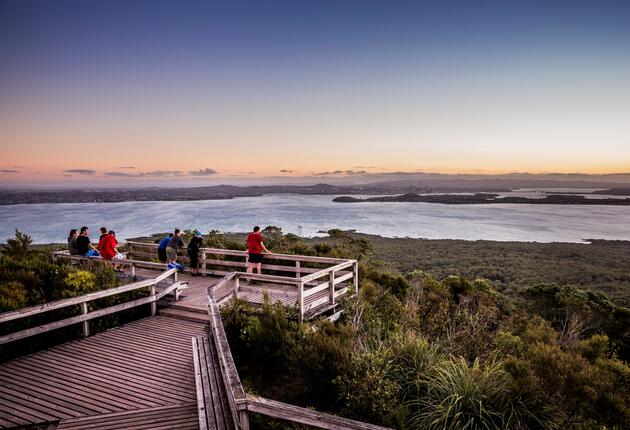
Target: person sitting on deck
173, 244
103, 233
72, 242
162, 248
255, 249
193, 252
84, 246
108, 247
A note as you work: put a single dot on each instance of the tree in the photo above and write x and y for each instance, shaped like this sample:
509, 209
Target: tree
20, 246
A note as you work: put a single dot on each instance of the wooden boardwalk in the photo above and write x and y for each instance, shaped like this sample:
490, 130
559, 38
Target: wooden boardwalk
136, 372
147, 374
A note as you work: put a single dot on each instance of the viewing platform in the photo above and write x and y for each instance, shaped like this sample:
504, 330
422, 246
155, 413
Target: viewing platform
173, 369
309, 284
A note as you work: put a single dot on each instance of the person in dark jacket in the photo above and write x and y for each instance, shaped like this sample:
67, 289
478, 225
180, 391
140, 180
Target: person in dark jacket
193, 252
72, 242
162, 248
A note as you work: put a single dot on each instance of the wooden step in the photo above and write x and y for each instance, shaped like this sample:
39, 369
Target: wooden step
182, 306
184, 315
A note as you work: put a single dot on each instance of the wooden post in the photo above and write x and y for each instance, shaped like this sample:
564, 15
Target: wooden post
297, 269
86, 324
355, 269
301, 301
203, 265
237, 285
331, 280
153, 303
133, 270
175, 276
244, 420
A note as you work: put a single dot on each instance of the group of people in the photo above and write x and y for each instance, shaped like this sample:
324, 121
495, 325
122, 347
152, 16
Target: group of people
168, 246
79, 243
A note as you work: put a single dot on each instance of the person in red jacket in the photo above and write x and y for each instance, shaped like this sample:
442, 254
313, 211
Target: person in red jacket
108, 247
256, 248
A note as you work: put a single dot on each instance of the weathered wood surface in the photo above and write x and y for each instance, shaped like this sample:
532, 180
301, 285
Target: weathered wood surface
297, 414
143, 364
181, 417
212, 398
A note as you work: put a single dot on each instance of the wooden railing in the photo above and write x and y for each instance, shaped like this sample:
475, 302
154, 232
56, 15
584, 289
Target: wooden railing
308, 281
241, 403
83, 301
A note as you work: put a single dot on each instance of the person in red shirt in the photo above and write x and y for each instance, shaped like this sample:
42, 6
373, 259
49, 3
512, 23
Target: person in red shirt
107, 247
256, 248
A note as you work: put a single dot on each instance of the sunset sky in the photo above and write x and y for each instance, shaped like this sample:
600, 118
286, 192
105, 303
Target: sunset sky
132, 91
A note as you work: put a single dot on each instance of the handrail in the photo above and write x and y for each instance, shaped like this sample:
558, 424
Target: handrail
297, 414
234, 252
82, 300
229, 374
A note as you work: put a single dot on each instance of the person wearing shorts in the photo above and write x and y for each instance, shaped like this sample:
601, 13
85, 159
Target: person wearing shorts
255, 248
162, 248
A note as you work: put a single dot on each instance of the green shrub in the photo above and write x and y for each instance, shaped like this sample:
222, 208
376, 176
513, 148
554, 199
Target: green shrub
12, 296
462, 396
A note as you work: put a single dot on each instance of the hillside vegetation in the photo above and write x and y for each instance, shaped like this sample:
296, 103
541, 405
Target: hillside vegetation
442, 334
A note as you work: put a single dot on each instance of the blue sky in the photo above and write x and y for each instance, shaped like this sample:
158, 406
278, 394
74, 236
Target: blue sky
252, 88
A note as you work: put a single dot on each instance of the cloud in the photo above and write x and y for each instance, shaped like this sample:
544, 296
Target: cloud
343, 173
286, 171
126, 167
86, 172
8, 171
123, 175
203, 172
161, 173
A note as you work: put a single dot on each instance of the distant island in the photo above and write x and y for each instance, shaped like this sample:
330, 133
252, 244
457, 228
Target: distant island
387, 191
216, 192
486, 198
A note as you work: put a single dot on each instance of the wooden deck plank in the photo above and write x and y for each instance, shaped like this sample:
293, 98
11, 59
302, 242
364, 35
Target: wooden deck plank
180, 416
144, 364
80, 370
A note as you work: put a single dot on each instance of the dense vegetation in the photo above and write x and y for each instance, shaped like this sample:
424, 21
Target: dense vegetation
513, 337
421, 351
29, 277
601, 265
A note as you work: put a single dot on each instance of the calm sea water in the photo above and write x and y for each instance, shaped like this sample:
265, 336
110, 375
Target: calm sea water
307, 215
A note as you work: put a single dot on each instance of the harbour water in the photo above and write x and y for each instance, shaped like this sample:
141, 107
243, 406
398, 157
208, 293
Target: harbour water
307, 215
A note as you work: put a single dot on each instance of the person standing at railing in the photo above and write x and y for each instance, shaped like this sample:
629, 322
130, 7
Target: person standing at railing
193, 252
162, 248
173, 245
255, 248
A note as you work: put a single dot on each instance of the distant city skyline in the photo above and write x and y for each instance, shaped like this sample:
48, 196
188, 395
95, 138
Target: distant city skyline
194, 92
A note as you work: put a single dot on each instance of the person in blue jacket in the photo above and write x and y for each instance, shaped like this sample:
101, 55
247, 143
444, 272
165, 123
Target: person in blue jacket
162, 248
